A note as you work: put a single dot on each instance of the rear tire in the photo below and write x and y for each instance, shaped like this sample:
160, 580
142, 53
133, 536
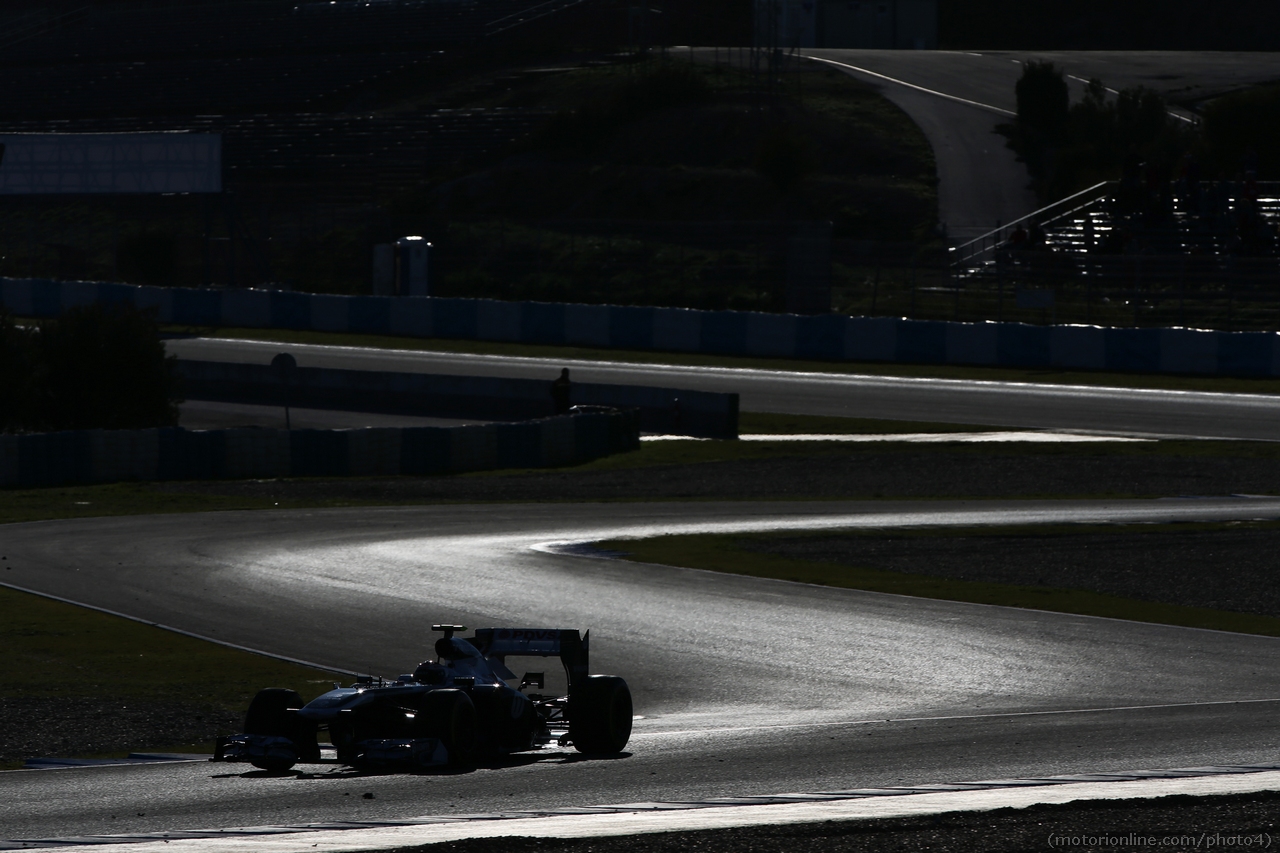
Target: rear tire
450, 716
268, 714
600, 712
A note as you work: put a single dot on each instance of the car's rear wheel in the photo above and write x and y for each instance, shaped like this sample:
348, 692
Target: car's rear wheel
600, 713
450, 716
269, 714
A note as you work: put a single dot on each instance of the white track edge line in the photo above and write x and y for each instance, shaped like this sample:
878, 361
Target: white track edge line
173, 630
934, 92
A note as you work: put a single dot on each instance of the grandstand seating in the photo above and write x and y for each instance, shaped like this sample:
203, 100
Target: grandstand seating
1175, 245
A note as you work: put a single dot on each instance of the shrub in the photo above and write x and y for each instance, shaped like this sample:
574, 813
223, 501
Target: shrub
1094, 139
16, 367
654, 86
1043, 100
782, 157
1243, 127
102, 367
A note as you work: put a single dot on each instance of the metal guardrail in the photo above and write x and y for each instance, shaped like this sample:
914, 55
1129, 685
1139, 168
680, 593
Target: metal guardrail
977, 250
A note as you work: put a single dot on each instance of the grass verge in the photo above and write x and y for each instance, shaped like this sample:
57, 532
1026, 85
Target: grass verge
1225, 385
17, 505
725, 553
72, 657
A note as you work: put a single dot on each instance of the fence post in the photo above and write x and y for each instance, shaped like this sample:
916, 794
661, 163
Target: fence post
875, 281
913, 285
1182, 292
1137, 290
950, 278
999, 287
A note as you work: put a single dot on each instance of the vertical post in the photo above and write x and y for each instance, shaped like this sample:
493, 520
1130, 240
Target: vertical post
913, 286
206, 270
284, 366
231, 239
949, 276
999, 289
1088, 293
1137, 291
875, 281
1231, 297
31, 248
1182, 293
115, 247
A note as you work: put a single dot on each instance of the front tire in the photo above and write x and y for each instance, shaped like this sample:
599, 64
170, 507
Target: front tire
270, 714
600, 712
450, 715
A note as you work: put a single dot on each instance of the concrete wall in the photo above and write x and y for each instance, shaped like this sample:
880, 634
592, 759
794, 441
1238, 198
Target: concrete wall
664, 410
173, 453
823, 337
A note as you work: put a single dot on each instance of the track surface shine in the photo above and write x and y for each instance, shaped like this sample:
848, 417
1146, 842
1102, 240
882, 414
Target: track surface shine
745, 685
1116, 410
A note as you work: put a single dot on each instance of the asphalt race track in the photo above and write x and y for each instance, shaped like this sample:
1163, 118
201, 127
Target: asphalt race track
745, 686
1045, 406
980, 182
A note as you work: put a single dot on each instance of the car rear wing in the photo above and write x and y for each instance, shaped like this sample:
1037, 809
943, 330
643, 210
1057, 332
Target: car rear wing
564, 643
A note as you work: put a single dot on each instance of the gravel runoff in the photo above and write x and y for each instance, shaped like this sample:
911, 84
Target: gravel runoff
45, 728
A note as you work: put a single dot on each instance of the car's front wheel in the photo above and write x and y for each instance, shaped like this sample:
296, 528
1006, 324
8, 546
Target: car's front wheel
600, 713
271, 713
450, 715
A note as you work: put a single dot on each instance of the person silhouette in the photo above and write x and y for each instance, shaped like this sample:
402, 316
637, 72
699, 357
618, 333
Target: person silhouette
560, 393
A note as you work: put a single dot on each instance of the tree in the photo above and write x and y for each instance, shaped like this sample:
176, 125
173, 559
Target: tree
102, 367
1043, 100
16, 356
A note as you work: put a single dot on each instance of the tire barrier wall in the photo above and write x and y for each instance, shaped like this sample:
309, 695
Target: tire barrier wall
173, 453
742, 333
703, 414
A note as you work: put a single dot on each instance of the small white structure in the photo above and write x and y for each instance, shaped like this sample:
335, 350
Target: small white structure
411, 256
871, 24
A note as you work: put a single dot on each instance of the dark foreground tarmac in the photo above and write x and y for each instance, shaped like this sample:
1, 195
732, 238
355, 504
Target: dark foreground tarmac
1234, 822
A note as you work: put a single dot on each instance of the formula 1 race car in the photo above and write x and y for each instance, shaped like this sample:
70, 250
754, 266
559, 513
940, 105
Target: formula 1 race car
450, 711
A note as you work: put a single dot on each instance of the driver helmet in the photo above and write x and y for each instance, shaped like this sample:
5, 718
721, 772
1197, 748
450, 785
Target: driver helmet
430, 672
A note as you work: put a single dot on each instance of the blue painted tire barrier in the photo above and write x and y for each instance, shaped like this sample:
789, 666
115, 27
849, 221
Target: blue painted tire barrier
673, 411
738, 333
174, 453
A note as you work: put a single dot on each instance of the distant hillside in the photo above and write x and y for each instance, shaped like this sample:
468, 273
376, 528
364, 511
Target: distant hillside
1110, 24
